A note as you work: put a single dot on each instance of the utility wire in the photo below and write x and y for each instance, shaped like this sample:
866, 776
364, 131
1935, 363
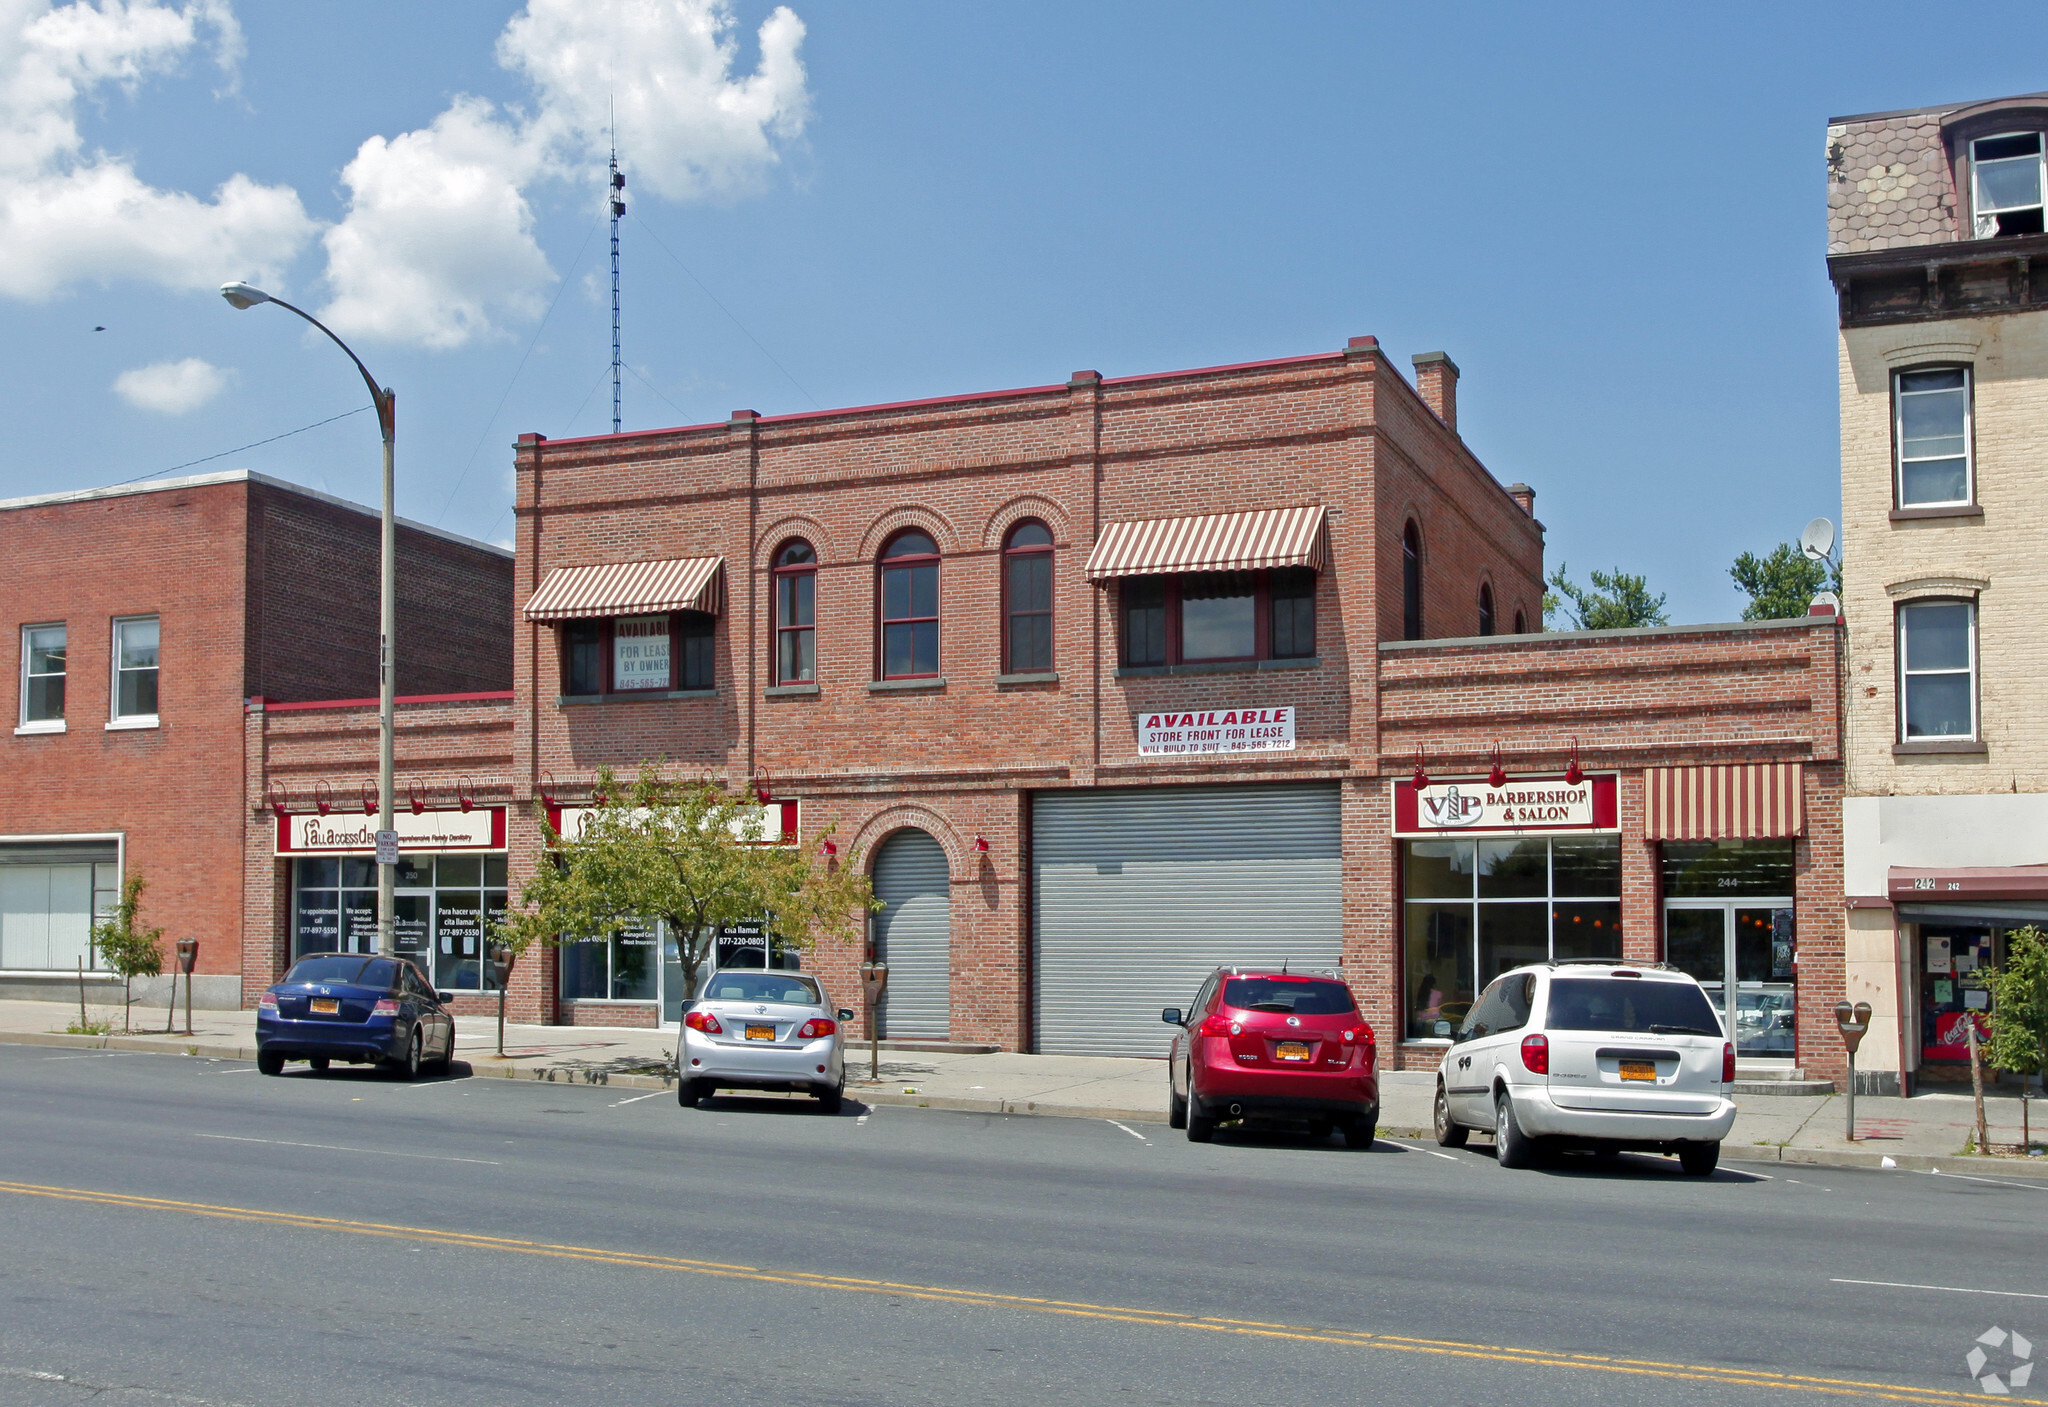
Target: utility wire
657, 391
723, 309
160, 473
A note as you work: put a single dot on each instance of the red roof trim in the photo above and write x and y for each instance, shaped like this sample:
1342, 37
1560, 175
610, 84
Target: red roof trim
492, 696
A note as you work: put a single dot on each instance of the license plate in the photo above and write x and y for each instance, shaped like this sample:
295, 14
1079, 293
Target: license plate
326, 1006
760, 1033
1639, 1070
1291, 1050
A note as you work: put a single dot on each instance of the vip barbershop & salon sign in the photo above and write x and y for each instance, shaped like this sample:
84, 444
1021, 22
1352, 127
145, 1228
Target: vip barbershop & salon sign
1472, 805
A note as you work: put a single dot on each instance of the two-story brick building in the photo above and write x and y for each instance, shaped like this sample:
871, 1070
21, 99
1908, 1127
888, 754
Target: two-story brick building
1934, 226
148, 619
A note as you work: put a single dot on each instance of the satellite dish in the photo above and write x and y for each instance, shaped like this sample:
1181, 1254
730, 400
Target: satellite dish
1818, 541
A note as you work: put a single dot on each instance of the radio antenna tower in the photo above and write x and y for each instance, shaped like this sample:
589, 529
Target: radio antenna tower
615, 194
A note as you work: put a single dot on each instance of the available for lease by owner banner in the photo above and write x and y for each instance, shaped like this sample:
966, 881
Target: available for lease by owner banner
1216, 730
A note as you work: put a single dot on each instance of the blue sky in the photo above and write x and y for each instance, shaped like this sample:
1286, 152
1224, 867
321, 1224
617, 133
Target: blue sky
1611, 216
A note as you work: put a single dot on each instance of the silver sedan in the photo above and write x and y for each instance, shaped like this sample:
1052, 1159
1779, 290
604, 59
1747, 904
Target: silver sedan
755, 1029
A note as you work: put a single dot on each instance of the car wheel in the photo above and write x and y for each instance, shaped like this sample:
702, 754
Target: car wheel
1511, 1147
1359, 1133
318, 1062
830, 1099
269, 1063
409, 1067
691, 1093
1449, 1132
1176, 1107
1699, 1159
1200, 1129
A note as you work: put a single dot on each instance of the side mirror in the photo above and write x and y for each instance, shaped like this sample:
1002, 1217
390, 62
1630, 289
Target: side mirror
444, 996
1171, 1016
846, 1013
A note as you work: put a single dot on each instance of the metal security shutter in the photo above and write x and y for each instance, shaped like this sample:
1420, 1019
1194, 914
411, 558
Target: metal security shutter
1139, 893
914, 935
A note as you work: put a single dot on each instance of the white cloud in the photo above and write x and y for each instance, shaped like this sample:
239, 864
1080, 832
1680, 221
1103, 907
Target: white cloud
171, 387
67, 214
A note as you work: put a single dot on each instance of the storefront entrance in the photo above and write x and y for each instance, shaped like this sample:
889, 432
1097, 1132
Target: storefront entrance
442, 907
1740, 949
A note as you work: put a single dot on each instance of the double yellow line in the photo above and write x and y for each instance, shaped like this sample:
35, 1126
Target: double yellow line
1162, 1319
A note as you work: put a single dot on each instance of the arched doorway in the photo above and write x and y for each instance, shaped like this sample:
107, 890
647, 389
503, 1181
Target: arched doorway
914, 935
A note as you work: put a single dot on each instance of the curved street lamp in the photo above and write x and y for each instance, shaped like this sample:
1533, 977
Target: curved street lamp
241, 295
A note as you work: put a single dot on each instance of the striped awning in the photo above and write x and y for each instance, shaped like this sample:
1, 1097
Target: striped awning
1754, 802
1212, 542
629, 588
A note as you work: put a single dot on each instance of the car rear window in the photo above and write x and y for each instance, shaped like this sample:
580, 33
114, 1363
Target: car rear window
1299, 996
334, 967
762, 987
1630, 1004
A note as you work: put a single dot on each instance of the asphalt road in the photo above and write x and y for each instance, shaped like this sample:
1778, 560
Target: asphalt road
176, 1230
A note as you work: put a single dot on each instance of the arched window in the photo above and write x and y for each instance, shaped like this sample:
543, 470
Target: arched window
796, 614
910, 607
1411, 582
1027, 599
1485, 608
1521, 624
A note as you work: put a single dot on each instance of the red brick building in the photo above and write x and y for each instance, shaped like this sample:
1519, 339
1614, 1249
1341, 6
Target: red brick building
146, 618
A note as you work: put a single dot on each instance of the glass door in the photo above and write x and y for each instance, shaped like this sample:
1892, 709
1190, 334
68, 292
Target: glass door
1741, 953
1696, 943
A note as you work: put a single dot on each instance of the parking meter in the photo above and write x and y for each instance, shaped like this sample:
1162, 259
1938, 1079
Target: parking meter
1852, 1022
874, 980
188, 958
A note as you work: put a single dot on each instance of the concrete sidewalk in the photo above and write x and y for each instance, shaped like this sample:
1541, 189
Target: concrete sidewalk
1925, 1133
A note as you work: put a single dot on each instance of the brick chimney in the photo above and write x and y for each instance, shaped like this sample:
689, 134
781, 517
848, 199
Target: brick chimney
1524, 495
1436, 378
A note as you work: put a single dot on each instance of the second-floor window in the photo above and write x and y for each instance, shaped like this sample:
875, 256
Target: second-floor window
136, 641
1938, 670
1027, 599
796, 614
639, 654
910, 607
42, 676
1218, 617
1933, 437
2006, 184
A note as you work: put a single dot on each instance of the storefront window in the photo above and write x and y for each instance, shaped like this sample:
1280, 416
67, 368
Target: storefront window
440, 918
621, 968
1953, 993
1477, 908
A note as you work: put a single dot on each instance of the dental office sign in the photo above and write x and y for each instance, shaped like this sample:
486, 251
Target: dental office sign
480, 828
1216, 730
1470, 806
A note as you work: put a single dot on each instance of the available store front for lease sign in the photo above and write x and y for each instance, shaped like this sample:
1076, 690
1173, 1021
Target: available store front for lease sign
1216, 730
1467, 806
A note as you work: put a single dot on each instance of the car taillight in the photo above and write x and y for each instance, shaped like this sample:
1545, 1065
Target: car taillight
386, 1007
704, 1021
817, 1026
1217, 1026
1358, 1035
267, 1002
1727, 1062
1536, 1054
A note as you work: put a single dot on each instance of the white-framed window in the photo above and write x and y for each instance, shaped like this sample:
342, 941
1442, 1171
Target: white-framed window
2006, 184
42, 678
136, 641
1931, 411
1937, 670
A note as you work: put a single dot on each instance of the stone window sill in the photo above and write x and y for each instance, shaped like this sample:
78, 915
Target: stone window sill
1946, 510
46, 725
1147, 671
892, 686
790, 691
1929, 747
636, 696
141, 720
1036, 676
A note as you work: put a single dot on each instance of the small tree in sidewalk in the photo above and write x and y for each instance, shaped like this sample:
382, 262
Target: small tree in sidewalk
2019, 1012
129, 949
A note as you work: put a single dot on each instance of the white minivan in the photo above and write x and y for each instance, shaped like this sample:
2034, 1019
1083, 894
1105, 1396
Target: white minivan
1602, 1055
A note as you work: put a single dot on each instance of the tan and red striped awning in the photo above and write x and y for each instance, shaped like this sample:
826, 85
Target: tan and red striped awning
1754, 802
630, 588
1212, 542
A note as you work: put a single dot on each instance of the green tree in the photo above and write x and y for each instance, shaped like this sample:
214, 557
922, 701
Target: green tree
126, 946
1782, 585
1615, 601
687, 854
2019, 1004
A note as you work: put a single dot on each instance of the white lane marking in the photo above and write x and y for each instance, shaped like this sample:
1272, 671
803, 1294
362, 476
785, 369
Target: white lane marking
1127, 1129
1947, 1289
339, 1148
1413, 1148
97, 1055
239, 1070
1989, 1181
426, 1084
859, 1121
636, 1099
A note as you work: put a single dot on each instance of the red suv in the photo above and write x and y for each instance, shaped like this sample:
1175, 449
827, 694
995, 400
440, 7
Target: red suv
1273, 1045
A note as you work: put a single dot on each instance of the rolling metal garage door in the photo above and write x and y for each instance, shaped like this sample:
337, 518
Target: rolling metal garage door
914, 935
1139, 893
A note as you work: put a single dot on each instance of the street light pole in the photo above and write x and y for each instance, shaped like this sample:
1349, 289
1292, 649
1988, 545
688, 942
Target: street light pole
241, 295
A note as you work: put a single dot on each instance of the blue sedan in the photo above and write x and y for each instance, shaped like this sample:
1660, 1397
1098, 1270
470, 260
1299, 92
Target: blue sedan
364, 1010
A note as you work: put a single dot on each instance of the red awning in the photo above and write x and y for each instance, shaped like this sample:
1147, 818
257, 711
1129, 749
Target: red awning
1745, 802
630, 588
1210, 542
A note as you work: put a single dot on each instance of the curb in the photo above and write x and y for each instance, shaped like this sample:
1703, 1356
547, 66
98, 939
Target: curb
1972, 1164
